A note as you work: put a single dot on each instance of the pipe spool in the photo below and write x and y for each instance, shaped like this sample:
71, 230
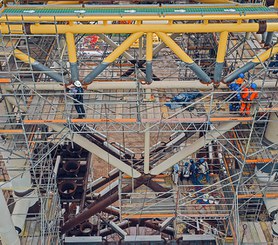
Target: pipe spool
74, 151
67, 188
86, 228
71, 168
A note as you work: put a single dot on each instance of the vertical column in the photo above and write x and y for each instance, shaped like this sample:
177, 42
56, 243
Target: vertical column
149, 57
220, 56
72, 56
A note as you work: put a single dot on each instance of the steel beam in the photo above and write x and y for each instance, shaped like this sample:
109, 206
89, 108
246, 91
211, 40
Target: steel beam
198, 144
38, 66
127, 29
112, 57
184, 57
93, 148
165, 84
258, 59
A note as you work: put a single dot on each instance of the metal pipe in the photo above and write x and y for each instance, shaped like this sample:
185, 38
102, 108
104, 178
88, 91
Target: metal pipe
221, 53
38, 66
8, 233
269, 37
122, 28
195, 84
184, 57
98, 206
112, 57
258, 59
72, 56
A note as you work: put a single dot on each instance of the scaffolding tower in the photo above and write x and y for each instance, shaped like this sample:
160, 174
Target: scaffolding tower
110, 175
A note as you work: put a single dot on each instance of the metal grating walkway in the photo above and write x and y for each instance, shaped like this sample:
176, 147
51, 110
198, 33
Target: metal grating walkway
100, 10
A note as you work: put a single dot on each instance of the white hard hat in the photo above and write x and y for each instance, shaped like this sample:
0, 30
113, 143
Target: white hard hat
77, 84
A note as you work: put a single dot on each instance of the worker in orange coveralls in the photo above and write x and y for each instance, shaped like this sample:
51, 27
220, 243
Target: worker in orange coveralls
248, 95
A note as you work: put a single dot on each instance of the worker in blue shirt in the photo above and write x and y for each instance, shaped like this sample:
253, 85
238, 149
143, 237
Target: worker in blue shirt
236, 86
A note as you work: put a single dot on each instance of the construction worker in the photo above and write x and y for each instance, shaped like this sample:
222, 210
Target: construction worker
248, 95
175, 173
193, 171
185, 173
235, 99
77, 94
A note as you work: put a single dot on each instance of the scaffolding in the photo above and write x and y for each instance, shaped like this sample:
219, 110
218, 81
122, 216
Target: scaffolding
135, 136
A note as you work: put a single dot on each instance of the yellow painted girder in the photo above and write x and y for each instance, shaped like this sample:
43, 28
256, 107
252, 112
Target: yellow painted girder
221, 53
134, 28
71, 47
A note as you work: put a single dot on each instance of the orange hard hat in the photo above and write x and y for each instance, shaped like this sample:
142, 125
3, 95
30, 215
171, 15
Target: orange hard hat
239, 81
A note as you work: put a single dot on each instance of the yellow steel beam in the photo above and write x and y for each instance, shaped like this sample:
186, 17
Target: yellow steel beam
222, 46
276, 4
38, 19
123, 47
71, 47
23, 57
266, 55
174, 47
121, 28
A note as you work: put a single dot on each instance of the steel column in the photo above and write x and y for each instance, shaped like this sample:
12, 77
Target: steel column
72, 56
149, 57
221, 53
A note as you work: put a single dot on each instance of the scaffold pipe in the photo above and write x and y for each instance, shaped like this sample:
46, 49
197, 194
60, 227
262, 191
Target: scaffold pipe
184, 57
253, 63
38, 66
112, 57
221, 53
8, 233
